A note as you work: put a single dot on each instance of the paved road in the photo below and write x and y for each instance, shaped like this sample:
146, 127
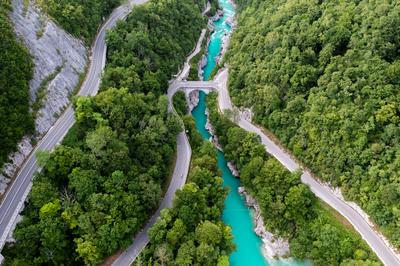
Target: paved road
186, 66
17, 193
386, 255
187, 87
367, 232
181, 170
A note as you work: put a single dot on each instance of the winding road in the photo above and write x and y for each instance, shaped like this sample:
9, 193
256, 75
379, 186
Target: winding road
382, 249
186, 66
380, 246
181, 170
19, 190
17, 193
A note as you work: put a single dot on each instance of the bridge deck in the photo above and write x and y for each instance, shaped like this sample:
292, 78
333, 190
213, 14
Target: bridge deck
196, 84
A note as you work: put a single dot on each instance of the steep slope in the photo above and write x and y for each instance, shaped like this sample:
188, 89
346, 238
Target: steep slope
80, 18
15, 73
323, 76
99, 188
59, 60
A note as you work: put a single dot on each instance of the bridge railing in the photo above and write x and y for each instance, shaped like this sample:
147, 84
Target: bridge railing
196, 84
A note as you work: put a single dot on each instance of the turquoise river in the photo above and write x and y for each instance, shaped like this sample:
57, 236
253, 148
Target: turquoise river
236, 214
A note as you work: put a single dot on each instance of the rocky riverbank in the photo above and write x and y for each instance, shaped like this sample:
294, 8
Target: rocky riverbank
273, 247
193, 100
210, 129
225, 45
232, 22
217, 16
202, 63
233, 169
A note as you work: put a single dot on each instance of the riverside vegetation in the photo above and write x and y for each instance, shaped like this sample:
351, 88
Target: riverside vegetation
16, 69
101, 185
324, 77
191, 232
157, 37
288, 207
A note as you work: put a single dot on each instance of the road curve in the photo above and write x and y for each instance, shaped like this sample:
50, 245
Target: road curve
16, 194
184, 73
181, 170
377, 244
184, 153
373, 238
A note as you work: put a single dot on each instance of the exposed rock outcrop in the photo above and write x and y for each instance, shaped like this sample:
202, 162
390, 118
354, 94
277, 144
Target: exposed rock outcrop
59, 60
233, 169
9, 169
210, 129
55, 52
273, 247
202, 64
218, 15
193, 99
225, 45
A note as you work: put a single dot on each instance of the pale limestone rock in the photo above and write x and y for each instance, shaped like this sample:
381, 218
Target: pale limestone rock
273, 246
193, 99
53, 51
233, 169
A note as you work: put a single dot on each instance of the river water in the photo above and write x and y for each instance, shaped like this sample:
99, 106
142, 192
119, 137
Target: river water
236, 214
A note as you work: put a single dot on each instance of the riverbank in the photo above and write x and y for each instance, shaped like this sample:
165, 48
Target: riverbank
286, 203
247, 114
275, 250
273, 247
236, 214
343, 142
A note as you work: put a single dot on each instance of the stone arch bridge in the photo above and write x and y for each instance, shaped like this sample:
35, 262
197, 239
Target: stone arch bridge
188, 86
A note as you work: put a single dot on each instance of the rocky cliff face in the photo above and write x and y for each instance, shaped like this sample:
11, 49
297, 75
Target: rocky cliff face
58, 57
59, 61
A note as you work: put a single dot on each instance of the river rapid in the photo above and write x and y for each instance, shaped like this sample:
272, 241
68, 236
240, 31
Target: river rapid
236, 214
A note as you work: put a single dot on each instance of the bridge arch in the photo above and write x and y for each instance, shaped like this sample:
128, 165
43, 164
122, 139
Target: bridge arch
189, 86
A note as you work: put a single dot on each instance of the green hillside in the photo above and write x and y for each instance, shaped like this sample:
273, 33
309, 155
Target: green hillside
324, 77
16, 70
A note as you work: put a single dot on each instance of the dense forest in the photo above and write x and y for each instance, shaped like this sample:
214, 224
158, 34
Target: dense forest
16, 70
78, 17
289, 207
179, 101
191, 232
147, 50
324, 77
100, 186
